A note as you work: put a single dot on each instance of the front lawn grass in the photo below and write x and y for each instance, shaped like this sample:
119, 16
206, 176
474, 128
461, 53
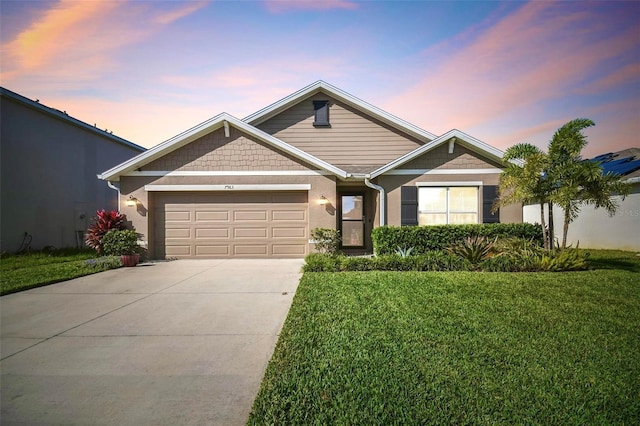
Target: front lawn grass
24, 271
385, 348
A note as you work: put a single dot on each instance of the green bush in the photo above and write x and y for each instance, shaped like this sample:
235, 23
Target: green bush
387, 239
327, 240
564, 260
121, 242
321, 262
475, 249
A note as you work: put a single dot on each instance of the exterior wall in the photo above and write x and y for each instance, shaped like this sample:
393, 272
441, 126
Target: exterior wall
48, 177
238, 152
141, 216
461, 158
437, 162
352, 139
594, 228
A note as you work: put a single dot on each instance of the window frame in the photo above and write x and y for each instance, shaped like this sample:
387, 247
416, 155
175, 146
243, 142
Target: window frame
448, 212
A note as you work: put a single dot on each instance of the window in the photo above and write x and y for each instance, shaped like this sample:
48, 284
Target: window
447, 205
321, 114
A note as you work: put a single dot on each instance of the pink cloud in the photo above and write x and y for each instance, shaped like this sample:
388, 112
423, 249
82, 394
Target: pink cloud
174, 15
280, 6
625, 75
74, 42
514, 66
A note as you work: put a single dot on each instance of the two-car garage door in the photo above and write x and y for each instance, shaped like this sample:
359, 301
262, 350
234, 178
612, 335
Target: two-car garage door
231, 224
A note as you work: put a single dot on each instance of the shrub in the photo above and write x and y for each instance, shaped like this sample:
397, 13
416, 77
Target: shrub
120, 242
386, 239
564, 260
327, 240
321, 262
104, 222
475, 249
441, 261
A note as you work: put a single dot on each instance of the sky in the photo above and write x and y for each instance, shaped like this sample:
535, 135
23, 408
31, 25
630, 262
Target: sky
502, 71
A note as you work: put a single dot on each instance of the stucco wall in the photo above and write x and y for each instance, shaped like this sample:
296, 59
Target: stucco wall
141, 216
49, 184
594, 228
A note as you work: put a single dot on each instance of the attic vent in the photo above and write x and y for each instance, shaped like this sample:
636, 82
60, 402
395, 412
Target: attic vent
321, 111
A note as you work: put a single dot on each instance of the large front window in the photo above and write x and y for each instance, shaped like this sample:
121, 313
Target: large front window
447, 205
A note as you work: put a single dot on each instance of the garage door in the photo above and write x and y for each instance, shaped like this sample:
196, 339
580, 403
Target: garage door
231, 224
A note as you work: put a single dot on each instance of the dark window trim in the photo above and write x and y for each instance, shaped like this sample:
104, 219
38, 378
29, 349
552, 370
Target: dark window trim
321, 114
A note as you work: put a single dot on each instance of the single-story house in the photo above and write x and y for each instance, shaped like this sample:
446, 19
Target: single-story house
594, 228
49, 162
318, 158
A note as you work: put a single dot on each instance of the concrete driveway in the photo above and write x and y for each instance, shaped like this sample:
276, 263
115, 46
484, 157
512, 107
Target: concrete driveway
172, 343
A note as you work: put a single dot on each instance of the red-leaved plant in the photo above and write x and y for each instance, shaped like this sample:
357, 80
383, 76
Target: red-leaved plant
104, 222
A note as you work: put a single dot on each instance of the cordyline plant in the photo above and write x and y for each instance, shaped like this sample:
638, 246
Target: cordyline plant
104, 222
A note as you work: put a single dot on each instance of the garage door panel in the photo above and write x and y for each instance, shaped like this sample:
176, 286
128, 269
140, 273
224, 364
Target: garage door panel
250, 250
289, 215
178, 250
212, 250
178, 216
212, 216
289, 249
250, 233
232, 224
179, 233
298, 232
204, 233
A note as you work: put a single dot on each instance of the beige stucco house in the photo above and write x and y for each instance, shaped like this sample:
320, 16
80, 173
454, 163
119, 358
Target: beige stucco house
319, 157
49, 161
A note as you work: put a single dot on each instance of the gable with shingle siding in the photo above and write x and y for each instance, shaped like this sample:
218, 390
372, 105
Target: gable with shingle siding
353, 138
215, 151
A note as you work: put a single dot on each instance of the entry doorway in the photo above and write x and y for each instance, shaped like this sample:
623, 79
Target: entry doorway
352, 220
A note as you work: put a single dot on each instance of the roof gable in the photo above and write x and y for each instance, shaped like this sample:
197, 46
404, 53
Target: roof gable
348, 99
219, 121
452, 135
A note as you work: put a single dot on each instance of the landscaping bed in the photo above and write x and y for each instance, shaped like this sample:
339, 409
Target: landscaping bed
380, 348
24, 271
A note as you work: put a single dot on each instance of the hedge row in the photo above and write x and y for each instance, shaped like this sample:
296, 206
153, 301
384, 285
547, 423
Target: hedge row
433, 261
388, 239
555, 261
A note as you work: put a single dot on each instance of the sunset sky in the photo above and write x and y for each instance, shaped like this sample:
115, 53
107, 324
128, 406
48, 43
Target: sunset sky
504, 72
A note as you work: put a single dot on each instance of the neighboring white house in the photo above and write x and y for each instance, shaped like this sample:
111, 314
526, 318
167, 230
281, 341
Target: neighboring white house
594, 228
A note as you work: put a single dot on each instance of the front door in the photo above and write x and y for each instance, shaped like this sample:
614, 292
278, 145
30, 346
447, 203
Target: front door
352, 220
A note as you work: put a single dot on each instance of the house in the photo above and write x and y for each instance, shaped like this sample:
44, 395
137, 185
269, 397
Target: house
49, 161
594, 228
318, 158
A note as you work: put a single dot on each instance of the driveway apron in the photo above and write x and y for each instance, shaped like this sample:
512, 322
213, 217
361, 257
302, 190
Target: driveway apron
171, 343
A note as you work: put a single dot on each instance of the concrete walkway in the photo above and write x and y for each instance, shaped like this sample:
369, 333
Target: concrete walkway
173, 343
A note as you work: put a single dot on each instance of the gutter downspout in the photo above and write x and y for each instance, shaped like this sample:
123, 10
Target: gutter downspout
383, 219
115, 188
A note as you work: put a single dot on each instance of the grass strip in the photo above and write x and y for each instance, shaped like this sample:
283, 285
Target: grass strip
24, 272
381, 348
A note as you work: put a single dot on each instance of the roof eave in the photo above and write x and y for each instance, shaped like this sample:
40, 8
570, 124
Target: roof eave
61, 115
202, 129
469, 141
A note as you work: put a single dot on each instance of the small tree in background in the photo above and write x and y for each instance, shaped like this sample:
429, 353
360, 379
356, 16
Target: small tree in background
526, 183
560, 177
104, 222
578, 182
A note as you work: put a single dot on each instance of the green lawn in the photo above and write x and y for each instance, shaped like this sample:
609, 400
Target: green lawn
24, 271
384, 348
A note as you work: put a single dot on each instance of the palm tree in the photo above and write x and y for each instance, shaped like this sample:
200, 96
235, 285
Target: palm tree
577, 182
523, 180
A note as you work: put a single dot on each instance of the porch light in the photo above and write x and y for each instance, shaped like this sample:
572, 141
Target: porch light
132, 201
323, 200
